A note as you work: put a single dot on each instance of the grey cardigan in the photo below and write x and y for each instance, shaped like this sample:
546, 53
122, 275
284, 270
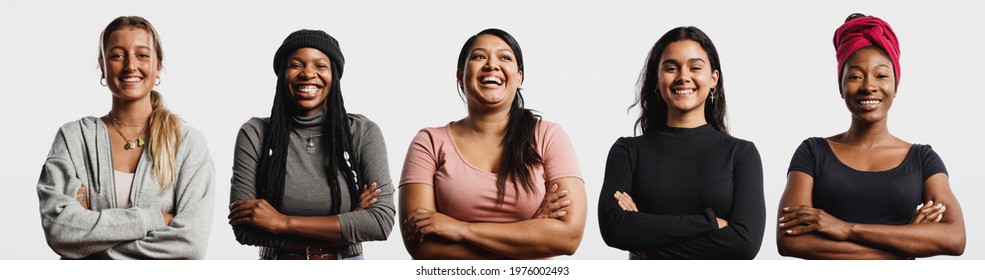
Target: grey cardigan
80, 156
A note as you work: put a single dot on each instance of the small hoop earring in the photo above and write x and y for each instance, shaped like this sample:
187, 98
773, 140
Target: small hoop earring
102, 81
158, 81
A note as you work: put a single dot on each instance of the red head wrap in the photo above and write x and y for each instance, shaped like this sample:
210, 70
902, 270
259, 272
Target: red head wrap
863, 32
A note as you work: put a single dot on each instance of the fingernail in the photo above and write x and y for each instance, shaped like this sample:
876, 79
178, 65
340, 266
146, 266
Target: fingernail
373, 200
562, 213
564, 192
786, 208
930, 202
376, 190
781, 224
789, 231
939, 205
566, 202
781, 219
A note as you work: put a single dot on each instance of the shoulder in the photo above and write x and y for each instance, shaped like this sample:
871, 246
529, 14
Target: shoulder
80, 126
256, 124
438, 132
74, 133
739, 142
924, 151
361, 124
192, 137
550, 131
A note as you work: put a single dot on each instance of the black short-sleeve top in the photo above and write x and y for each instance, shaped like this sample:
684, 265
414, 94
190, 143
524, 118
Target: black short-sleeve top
881, 197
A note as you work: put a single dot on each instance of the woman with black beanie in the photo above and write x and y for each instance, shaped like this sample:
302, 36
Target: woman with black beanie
311, 181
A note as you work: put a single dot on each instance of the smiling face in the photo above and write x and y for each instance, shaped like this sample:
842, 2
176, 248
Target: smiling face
130, 64
309, 79
490, 75
868, 84
685, 77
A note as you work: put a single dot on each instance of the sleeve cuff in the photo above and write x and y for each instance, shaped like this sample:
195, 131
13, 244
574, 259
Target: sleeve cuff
712, 218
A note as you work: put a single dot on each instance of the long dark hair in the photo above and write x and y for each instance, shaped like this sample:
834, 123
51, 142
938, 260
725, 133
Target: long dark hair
336, 142
653, 112
519, 144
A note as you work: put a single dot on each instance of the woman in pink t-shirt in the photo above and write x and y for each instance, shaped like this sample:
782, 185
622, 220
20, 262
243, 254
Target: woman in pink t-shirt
477, 188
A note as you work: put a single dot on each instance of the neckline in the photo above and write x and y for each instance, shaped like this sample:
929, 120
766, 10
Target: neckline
308, 122
686, 131
109, 144
462, 156
831, 151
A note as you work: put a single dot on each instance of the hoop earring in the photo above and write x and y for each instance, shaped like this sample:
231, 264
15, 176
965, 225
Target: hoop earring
711, 95
102, 82
158, 81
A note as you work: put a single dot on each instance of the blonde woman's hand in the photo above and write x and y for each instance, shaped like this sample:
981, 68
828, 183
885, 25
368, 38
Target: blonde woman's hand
82, 196
553, 206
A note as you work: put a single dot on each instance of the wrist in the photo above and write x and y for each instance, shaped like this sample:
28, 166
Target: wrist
851, 232
284, 225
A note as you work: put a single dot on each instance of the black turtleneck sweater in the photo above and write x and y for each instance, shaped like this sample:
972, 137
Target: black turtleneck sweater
681, 179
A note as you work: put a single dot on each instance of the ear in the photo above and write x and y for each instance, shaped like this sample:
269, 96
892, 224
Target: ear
459, 77
520, 74
102, 68
714, 77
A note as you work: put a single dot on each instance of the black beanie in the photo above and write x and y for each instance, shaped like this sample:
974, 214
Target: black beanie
305, 38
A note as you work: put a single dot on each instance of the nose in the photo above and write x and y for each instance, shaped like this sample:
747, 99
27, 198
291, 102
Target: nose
869, 85
491, 65
308, 73
130, 64
683, 77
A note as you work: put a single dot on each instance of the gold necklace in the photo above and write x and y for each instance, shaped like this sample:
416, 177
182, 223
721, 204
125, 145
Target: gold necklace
131, 143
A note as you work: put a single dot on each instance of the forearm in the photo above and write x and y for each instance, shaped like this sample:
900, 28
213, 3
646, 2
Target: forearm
326, 230
813, 246
642, 231
530, 239
436, 248
912, 240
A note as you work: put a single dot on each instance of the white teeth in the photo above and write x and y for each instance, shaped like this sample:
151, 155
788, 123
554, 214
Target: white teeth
684, 91
869, 102
131, 80
308, 89
492, 79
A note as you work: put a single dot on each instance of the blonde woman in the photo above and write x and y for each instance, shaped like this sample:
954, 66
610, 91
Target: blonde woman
135, 183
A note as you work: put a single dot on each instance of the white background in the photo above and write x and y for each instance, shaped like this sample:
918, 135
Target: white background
582, 63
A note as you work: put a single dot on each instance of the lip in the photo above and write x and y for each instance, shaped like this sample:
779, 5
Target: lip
868, 104
130, 81
307, 90
683, 91
491, 81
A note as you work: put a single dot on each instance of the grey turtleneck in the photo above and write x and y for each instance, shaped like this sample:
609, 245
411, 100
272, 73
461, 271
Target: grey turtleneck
306, 188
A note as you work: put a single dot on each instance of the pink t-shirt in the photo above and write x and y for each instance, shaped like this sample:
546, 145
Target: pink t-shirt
467, 193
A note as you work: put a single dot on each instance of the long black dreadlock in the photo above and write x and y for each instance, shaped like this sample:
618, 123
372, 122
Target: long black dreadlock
338, 144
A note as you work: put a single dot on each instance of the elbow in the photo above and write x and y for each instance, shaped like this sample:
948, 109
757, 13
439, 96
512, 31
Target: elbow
955, 246
787, 247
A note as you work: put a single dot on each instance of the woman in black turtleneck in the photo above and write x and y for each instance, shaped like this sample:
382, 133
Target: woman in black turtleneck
685, 189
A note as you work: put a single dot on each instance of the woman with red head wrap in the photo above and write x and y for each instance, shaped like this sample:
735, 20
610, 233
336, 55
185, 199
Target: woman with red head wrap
865, 194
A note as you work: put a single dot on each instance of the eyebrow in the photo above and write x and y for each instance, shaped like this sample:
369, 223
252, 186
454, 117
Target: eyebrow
499, 50
122, 48
861, 68
692, 60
